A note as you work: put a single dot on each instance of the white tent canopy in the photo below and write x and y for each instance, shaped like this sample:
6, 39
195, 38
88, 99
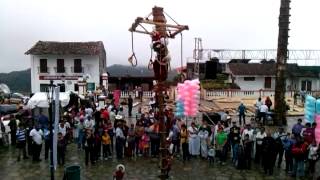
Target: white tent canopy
40, 99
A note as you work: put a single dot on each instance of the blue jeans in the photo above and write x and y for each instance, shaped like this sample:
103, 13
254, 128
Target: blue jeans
235, 148
298, 167
80, 138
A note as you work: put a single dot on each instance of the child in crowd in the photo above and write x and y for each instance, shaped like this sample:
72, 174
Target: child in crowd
61, 149
211, 154
145, 144
313, 156
106, 141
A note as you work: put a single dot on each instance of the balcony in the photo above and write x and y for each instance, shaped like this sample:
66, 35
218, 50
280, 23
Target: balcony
59, 69
77, 70
43, 70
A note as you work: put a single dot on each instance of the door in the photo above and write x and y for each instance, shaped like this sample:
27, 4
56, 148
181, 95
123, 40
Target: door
267, 82
306, 85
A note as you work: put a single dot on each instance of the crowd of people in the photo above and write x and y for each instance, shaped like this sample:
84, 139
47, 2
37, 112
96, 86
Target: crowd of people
106, 132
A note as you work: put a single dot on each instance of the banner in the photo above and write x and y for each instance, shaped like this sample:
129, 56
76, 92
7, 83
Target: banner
56, 116
116, 97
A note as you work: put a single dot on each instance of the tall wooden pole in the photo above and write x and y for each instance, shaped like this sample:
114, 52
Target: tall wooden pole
282, 55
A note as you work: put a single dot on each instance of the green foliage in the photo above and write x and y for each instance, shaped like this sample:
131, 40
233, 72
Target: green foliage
17, 81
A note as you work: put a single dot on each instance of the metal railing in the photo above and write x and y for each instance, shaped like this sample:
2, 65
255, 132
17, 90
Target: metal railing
59, 69
248, 93
125, 94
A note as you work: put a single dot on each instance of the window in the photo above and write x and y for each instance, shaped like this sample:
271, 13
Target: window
249, 78
77, 66
44, 87
76, 87
43, 66
60, 66
267, 82
62, 87
306, 85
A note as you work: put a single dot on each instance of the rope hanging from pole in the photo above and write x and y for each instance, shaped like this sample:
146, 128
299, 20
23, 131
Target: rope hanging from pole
133, 59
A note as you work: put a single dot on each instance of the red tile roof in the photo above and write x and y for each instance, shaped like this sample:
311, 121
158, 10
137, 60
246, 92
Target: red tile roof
66, 48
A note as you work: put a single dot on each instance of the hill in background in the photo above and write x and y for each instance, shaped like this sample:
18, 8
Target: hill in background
18, 81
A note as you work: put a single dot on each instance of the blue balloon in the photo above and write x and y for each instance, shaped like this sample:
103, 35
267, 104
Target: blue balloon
318, 106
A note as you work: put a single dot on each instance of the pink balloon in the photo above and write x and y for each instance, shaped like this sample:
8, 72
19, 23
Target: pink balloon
317, 134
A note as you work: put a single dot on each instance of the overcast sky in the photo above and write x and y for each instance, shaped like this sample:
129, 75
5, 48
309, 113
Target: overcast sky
230, 24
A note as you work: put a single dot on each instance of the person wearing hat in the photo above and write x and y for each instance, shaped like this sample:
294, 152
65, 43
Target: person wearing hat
119, 173
234, 137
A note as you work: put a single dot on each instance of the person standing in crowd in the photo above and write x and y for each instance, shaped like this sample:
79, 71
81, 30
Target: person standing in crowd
258, 142
13, 129
145, 144
248, 130
242, 115
247, 146
130, 106
89, 147
62, 144
97, 145
175, 138
131, 141
81, 132
297, 128
62, 128
139, 131
120, 138
287, 146
21, 142
268, 154
88, 111
184, 142
313, 156
221, 143
155, 139
203, 134
308, 133
37, 135
257, 107
268, 102
194, 141
279, 136
88, 123
299, 150
234, 138
47, 143
43, 121
106, 142
263, 113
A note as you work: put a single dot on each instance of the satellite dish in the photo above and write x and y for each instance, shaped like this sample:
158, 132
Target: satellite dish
4, 89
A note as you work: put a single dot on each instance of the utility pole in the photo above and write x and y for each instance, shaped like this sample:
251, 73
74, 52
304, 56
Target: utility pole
282, 56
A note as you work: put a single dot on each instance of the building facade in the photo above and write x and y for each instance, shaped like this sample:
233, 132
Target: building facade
67, 64
257, 76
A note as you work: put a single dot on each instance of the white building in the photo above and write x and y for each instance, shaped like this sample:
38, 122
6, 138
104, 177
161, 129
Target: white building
66, 63
257, 76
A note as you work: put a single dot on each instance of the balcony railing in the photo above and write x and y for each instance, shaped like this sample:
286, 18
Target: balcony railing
60, 69
43, 70
77, 69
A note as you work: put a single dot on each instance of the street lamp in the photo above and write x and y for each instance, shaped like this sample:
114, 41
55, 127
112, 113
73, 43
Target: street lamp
50, 93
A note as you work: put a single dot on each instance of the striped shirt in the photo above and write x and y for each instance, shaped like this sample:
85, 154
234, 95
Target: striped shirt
21, 135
